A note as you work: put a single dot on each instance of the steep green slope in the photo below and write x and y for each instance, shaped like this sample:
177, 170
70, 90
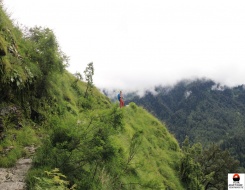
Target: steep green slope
157, 154
111, 148
75, 128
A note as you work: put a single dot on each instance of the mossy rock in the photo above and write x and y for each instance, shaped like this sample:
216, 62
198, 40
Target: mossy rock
3, 50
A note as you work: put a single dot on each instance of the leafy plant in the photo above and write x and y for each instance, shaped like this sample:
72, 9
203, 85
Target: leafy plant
54, 180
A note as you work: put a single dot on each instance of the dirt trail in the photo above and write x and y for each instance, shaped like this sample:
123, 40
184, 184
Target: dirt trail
14, 178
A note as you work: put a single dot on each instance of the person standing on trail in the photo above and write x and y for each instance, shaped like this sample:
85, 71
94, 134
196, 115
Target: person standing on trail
120, 99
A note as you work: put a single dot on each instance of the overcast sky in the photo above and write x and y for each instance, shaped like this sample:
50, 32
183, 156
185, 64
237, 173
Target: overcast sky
138, 44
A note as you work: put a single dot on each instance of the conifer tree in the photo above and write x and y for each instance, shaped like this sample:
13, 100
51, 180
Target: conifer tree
89, 72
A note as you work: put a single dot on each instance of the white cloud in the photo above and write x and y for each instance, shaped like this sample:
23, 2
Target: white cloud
187, 94
139, 44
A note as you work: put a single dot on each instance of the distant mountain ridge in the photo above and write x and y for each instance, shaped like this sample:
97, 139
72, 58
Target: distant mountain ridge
203, 110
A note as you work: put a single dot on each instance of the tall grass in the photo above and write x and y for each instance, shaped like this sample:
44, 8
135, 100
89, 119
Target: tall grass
12, 147
156, 161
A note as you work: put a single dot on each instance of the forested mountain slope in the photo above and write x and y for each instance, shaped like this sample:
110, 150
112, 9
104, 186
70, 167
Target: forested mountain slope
202, 110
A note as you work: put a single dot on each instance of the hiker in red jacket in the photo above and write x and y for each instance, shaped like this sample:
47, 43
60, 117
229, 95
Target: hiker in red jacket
120, 98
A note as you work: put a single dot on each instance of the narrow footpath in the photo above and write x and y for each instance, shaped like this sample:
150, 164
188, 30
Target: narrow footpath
14, 178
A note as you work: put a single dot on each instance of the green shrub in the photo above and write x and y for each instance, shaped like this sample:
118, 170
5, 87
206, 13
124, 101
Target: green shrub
3, 49
53, 180
133, 106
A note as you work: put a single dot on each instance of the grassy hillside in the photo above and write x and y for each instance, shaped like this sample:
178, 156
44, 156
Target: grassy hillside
83, 141
117, 148
157, 152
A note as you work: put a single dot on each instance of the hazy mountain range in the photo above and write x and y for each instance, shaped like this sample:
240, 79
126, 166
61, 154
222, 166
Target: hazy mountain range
201, 109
